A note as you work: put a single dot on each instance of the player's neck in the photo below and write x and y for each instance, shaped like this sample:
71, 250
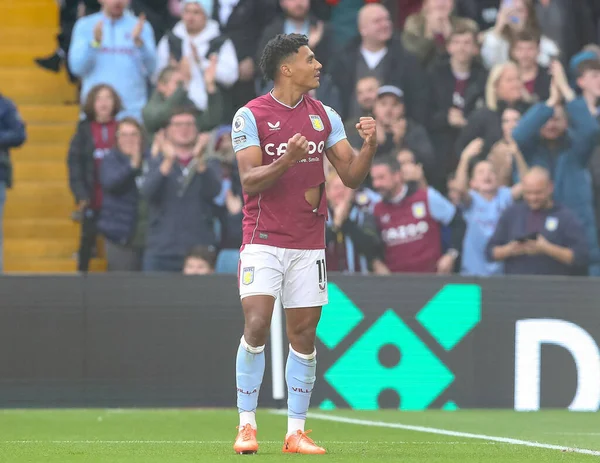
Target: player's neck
288, 96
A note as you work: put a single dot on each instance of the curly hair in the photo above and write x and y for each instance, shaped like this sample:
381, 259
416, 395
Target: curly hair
90, 101
277, 50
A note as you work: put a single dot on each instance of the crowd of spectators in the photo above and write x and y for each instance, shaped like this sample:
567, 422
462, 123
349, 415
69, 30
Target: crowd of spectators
488, 158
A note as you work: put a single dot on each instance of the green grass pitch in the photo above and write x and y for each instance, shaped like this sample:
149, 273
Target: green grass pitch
174, 436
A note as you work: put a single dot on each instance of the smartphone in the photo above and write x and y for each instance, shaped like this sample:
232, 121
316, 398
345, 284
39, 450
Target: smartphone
509, 4
529, 237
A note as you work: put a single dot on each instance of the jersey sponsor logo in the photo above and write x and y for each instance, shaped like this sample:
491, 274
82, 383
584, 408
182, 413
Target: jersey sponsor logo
248, 275
317, 123
551, 224
418, 210
238, 124
239, 140
280, 150
274, 126
405, 233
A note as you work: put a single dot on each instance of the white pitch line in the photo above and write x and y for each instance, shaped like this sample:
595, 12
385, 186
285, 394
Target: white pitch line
203, 442
444, 432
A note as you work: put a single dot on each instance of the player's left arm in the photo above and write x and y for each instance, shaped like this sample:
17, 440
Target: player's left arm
351, 167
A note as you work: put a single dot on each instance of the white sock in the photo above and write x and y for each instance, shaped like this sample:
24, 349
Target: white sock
248, 418
295, 424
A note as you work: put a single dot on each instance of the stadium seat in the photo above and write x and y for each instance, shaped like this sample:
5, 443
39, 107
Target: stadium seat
227, 261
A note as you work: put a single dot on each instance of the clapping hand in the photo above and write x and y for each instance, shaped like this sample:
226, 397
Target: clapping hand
98, 32
136, 34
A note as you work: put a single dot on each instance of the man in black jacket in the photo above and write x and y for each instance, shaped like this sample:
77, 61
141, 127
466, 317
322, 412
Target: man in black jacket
457, 85
378, 53
296, 18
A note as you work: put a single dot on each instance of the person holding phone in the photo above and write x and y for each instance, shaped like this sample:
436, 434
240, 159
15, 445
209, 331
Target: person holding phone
539, 236
514, 17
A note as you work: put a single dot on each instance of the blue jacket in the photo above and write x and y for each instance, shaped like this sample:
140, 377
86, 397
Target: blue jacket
559, 227
12, 134
119, 212
118, 62
568, 164
180, 209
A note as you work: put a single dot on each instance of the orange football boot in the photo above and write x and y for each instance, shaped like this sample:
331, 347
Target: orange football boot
245, 442
301, 443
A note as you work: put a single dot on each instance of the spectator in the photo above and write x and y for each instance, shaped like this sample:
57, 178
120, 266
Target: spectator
243, 22
171, 93
220, 157
158, 14
200, 261
412, 168
539, 236
195, 42
93, 139
543, 138
180, 190
70, 10
114, 47
12, 134
352, 239
457, 87
514, 17
505, 156
366, 95
482, 204
569, 24
120, 174
409, 220
536, 79
426, 32
504, 89
483, 12
394, 130
587, 79
377, 53
296, 18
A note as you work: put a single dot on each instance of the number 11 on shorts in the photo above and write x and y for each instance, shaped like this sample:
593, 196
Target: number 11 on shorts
322, 274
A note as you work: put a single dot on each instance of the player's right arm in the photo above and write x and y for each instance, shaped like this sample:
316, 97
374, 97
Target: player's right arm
256, 177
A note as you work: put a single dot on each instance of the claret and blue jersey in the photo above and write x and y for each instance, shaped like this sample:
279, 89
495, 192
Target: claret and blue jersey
281, 216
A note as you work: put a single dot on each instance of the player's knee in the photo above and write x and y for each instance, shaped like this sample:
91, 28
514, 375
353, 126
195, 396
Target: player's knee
302, 340
256, 329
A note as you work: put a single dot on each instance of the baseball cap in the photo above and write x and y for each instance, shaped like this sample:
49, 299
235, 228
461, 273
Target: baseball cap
390, 90
206, 5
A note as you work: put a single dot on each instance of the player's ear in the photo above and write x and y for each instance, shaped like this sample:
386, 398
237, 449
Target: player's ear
285, 70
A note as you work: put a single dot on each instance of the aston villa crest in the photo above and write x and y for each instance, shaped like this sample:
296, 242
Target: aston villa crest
317, 123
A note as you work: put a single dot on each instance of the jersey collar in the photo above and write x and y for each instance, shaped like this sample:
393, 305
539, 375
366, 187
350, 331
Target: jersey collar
283, 104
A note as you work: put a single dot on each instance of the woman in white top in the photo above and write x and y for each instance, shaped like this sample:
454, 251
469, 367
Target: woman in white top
513, 17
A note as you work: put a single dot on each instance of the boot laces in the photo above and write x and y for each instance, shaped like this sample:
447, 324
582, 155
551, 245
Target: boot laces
246, 432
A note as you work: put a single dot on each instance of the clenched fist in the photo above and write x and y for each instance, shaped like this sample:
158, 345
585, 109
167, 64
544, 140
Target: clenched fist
367, 129
297, 148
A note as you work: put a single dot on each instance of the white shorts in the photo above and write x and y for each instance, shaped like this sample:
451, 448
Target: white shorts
298, 276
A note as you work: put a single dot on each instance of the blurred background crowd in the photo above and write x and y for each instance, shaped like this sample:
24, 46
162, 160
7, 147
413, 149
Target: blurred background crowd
488, 158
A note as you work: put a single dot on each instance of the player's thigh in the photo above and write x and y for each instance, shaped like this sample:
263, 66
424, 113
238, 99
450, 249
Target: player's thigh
260, 271
305, 279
